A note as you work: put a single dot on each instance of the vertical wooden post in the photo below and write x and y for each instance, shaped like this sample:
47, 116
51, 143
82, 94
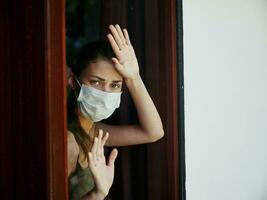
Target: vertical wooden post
55, 79
33, 100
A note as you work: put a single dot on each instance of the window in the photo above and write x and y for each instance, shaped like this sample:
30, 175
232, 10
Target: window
33, 95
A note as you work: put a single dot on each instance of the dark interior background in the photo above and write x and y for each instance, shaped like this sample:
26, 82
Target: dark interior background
87, 21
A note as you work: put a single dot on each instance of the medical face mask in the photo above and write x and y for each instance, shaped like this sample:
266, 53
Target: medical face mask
96, 104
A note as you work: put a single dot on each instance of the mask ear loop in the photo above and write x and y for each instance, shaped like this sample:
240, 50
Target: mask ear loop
77, 81
79, 85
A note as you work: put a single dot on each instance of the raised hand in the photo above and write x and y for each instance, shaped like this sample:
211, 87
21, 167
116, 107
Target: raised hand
103, 173
125, 62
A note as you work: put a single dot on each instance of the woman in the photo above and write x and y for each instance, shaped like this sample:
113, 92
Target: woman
97, 80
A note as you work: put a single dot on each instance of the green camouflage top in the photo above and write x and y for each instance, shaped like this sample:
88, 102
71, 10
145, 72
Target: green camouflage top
80, 182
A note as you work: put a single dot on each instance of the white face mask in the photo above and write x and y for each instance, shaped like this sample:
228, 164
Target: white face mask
96, 104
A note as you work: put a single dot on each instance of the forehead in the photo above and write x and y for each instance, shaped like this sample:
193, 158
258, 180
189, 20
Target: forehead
104, 69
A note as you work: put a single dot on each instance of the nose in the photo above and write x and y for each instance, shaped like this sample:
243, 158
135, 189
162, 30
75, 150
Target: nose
105, 87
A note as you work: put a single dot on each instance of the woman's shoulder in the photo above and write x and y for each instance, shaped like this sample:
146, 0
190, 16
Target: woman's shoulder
73, 152
72, 141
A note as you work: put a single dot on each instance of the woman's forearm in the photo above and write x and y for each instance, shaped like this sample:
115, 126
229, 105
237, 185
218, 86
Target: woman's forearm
127, 65
148, 115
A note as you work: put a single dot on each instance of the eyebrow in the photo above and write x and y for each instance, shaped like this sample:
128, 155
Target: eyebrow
114, 81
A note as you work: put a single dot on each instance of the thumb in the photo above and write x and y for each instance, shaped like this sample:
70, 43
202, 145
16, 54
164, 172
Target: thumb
112, 157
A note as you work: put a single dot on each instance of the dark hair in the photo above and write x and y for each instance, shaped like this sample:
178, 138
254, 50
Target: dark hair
88, 53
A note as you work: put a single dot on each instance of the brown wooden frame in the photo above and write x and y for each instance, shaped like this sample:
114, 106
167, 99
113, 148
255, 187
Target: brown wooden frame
56, 98
33, 100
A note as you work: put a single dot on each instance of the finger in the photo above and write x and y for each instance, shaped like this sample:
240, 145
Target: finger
114, 45
118, 65
126, 36
116, 36
94, 148
91, 160
99, 145
112, 157
103, 144
105, 138
118, 28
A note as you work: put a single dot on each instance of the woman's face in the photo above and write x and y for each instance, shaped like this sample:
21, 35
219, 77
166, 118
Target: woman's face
102, 75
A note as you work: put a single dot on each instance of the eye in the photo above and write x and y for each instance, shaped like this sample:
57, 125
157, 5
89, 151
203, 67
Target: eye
94, 82
116, 85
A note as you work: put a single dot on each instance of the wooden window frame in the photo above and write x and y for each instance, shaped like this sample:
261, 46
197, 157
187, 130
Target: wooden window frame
56, 75
33, 81
33, 100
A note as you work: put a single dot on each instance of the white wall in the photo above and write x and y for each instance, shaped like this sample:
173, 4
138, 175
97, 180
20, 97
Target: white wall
225, 78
